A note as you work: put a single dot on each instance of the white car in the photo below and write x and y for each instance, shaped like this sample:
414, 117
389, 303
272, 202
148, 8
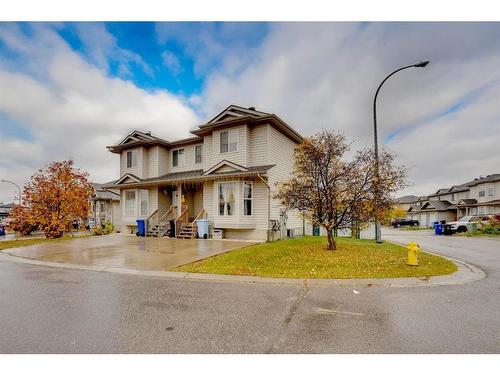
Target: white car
466, 223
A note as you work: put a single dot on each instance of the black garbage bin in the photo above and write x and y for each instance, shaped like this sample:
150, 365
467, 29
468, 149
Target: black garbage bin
171, 231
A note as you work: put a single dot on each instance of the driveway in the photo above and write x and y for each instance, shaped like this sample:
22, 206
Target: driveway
115, 250
52, 310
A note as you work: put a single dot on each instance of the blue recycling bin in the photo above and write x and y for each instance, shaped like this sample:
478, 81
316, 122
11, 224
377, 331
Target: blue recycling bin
141, 228
202, 228
2, 230
438, 229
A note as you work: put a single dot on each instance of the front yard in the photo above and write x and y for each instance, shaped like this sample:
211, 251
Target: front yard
307, 258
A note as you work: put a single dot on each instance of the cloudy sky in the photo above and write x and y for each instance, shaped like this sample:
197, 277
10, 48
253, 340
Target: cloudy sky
67, 90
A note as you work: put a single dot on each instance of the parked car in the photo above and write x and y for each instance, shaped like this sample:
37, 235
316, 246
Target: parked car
396, 223
466, 223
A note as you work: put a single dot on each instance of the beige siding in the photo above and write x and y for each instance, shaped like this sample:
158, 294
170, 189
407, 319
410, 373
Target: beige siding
240, 156
281, 153
208, 199
152, 162
258, 147
163, 160
141, 162
198, 201
207, 152
189, 163
117, 215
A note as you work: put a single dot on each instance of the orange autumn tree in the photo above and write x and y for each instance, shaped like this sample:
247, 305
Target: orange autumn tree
53, 199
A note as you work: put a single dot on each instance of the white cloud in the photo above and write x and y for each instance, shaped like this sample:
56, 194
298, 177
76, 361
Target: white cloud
324, 75
172, 62
73, 109
101, 47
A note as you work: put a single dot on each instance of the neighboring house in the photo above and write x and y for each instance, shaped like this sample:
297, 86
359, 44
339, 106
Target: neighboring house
226, 172
5, 210
105, 206
406, 202
480, 196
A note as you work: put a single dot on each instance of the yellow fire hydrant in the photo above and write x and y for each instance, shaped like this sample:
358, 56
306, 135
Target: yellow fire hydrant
413, 250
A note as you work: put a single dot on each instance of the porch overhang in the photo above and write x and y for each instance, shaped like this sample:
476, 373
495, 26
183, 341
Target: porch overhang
193, 177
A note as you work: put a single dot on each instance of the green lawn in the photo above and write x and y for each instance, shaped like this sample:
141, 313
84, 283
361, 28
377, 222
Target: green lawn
307, 258
35, 241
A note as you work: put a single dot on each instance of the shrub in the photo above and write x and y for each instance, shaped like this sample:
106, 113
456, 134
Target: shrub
104, 229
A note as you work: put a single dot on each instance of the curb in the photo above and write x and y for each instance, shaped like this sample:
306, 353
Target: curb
466, 273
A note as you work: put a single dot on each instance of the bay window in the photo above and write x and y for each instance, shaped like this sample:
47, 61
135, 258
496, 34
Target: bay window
247, 198
227, 198
144, 202
130, 203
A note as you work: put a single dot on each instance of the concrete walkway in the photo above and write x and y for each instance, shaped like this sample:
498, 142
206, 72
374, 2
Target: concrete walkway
124, 252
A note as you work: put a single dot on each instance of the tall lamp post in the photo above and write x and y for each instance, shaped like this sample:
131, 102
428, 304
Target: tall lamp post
421, 64
16, 185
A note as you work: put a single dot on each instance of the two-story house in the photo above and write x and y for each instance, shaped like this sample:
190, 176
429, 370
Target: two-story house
480, 196
226, 172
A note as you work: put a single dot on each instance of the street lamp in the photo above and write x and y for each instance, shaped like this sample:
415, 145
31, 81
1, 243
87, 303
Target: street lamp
16, 185
421, 64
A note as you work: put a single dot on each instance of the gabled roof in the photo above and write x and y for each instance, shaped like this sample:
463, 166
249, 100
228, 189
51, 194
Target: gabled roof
135, 139
226, 163
437, 205
127, 176
236, 115
407, 199
101, 193
467, 201
236, 111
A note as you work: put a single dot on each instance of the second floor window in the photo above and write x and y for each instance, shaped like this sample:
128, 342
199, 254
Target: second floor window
229, 141
482, 193
197, 154
178, 158
491, 191
132, 159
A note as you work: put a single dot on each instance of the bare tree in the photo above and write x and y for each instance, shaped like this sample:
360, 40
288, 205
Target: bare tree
336, 193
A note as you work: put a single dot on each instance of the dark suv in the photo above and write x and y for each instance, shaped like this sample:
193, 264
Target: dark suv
403, 222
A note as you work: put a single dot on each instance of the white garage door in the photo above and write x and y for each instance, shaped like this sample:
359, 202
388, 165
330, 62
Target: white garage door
432, 218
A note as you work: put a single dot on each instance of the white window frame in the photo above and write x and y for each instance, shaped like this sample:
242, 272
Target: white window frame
133, 158
232, 135
143, 211
248, 199
181, 162
491, 191
481, 191
236, 200
200, 147
132, 213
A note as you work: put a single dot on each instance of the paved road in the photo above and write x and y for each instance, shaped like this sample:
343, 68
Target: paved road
48, 310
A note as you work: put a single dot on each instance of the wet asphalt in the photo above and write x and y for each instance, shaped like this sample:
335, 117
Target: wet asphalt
50, 310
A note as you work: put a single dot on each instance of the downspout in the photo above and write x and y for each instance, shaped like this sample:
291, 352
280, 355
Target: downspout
268, 206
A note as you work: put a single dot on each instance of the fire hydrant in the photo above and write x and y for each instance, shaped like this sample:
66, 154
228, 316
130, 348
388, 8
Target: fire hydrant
413, 251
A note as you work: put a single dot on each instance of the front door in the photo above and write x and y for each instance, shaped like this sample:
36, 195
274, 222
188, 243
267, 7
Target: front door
175, 198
